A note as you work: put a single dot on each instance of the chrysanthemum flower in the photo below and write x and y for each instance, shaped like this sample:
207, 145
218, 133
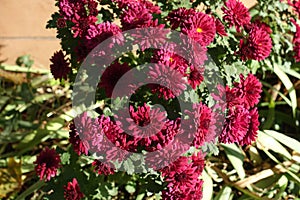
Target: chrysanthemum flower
257, 45
147, 4
102, 168
148, 37
168, 82
82, 24
135, 16
82, 131
236, 14
47, 163
72, 191
203, 124
200, 27
251, 88
236, 125
220, 28
60, 65
296, 41
253, 128
111, 76
195, 76
178, 16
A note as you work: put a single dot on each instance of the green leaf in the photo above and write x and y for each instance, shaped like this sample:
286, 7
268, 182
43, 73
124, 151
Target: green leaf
236, 157
31, 189
207, 186
225, 193
289, 86
287, 141
272, 144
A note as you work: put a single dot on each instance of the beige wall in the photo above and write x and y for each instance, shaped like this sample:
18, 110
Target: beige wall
22, 30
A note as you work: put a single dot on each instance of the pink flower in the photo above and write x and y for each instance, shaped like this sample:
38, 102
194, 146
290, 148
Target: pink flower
72, 191
253, 128
178, 16
169, 83
47, 163
236, 14
102, 168
236, 125
200, 27
60, 67
257, 45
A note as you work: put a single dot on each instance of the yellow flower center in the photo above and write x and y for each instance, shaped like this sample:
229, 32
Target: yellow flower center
171, 59
199, 30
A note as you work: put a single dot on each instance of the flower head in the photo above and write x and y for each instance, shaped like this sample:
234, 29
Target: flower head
47, 163
253, 128
102, 168
178, 16
60, 65
220, 29
236, 14
257, 45
72, 191
200, 27
170, 83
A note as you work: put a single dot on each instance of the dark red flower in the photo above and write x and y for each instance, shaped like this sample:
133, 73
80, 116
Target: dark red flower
253, 128
82, 24
111, 76
102, 168
203, 124
251, 88
147, 4
200, 27
135, 15
151, 37
257, 45
169, 83
236, 14
47, 163
82, 131
195, 76
220, 28
179, 16
236, 125
60, 65
72, 191
61, 23
296, 41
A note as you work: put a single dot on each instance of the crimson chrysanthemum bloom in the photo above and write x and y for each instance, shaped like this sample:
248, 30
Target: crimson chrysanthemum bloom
296, 41
236, 14
47, 163
150, 37
203, 124
195, 76
236, 125
147, 4
257, 46
220, 28
201, 28
82, 131
169, 83
253, 128
178, 16
183, 180
102, 168
60, 67
72, 191
82, 24
135, 15
251, 88
111, 76
144, 122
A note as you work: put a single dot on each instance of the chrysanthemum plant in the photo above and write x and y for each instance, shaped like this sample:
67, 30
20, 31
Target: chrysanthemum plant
156, 85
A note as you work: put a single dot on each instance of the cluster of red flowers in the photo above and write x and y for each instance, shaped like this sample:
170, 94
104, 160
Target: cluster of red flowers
150, 128
182, 177
296, 40
241, 123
